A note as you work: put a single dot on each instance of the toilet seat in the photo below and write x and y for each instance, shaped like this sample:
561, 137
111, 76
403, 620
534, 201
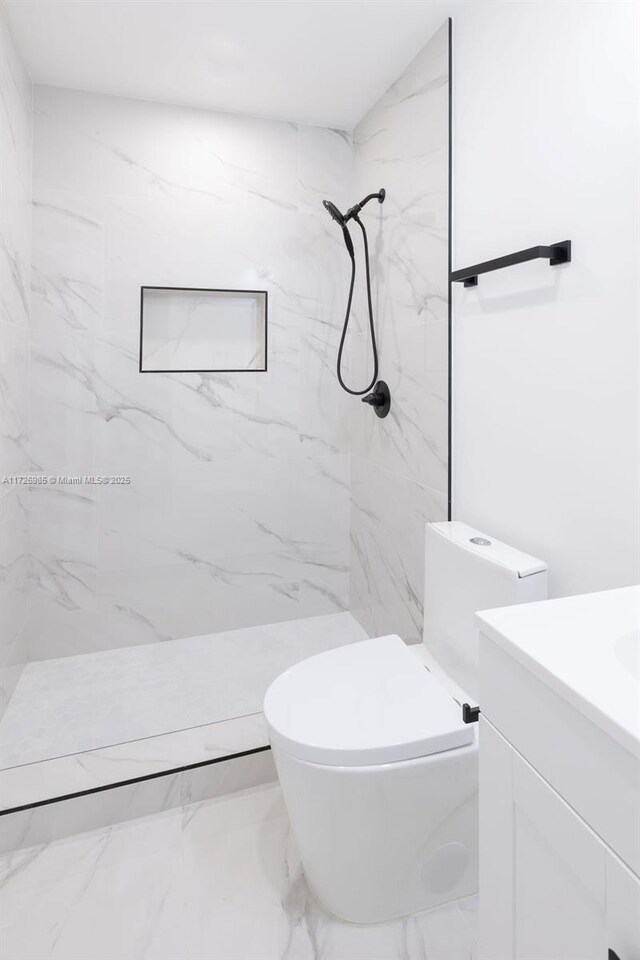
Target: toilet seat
366, 703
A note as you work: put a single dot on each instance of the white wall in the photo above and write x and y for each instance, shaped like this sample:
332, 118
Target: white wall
237, 512
545, 359
15, 265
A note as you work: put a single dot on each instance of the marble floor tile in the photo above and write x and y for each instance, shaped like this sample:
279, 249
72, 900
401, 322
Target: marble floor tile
219, 879
114, 894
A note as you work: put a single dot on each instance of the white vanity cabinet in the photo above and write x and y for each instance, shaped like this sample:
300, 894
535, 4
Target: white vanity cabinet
560, 781
550, 888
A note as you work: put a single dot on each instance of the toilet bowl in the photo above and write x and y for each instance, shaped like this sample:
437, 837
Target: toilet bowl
379, 775
378, 769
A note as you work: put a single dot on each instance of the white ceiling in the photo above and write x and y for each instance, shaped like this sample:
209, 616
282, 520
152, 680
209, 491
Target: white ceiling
319, 61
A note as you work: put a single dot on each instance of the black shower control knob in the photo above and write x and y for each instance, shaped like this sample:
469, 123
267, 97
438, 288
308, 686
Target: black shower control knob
380, 399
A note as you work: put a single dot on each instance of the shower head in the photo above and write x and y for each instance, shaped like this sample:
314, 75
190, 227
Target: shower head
342, 222
334, 212
352, 213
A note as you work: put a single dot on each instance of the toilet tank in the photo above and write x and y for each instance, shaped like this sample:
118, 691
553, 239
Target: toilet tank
466, 571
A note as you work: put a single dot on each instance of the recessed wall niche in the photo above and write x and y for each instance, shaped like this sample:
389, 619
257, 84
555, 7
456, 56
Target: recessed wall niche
192, 330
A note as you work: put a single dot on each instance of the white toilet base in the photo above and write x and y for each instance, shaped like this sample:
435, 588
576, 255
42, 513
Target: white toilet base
384, 841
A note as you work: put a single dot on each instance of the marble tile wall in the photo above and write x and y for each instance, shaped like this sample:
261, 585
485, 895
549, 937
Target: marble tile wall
243, 486
237, 512
15, 259
399, 465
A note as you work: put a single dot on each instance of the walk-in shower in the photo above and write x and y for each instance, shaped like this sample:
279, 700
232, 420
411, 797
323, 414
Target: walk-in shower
379, 399
254, 513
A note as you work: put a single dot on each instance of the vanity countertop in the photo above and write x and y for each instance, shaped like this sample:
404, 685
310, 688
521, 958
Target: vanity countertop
586, 648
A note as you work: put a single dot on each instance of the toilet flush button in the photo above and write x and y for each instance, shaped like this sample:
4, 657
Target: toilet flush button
480, 541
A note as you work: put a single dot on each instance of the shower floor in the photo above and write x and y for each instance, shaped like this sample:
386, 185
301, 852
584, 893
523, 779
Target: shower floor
76, 704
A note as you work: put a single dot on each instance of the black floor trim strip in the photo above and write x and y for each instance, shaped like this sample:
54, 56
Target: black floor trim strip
127, 783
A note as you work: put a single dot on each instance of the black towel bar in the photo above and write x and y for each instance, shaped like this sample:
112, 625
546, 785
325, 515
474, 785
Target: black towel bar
556, 253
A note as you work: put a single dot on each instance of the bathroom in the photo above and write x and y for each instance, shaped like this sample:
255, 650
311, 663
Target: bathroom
247, 709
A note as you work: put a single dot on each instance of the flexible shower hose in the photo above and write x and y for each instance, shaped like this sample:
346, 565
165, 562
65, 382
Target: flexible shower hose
374, 345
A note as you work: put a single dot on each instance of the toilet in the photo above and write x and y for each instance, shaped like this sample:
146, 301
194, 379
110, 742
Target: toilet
378, 769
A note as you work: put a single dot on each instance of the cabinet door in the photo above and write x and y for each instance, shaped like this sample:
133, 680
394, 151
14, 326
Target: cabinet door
559, 875
623, 910
495, 934
542, 870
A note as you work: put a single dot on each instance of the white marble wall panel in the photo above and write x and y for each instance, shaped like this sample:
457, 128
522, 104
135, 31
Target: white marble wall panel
400, 464
15, 189
412, 441
14, 366
14, 571
387, 549
237, 512
15, 260
68, 261
323, 156
100, 144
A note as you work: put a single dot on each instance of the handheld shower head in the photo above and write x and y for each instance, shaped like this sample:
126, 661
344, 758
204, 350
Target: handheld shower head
342, 220
334, 212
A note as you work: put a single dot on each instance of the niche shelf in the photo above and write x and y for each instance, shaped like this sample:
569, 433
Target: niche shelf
199, 330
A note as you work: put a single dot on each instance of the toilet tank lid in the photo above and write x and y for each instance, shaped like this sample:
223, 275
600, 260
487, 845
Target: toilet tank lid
365, 703
492, 550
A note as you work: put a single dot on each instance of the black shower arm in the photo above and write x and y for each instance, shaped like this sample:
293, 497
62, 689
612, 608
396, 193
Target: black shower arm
353, 212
